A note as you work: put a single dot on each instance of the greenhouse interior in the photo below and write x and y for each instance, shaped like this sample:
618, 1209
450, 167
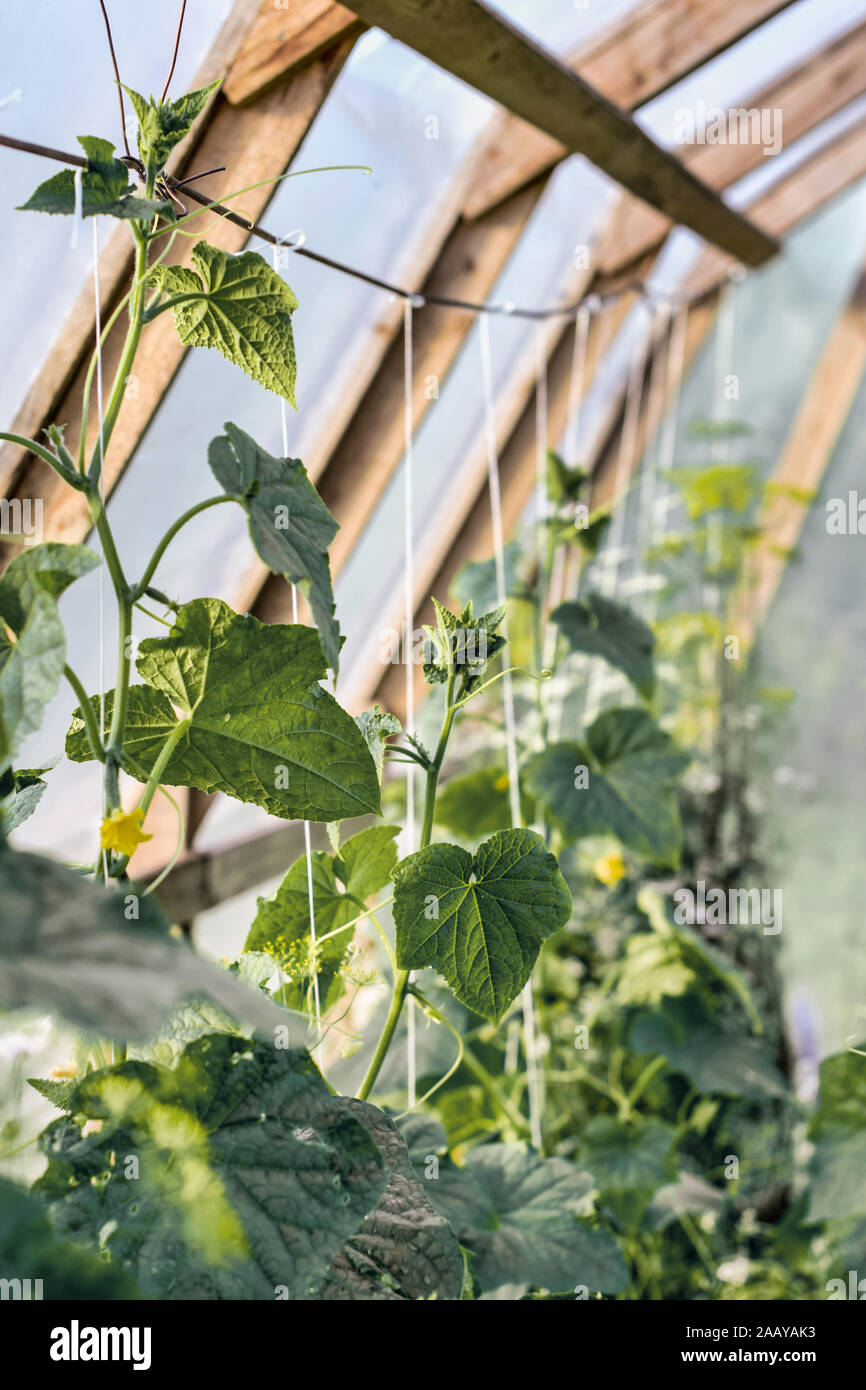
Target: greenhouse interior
514, 381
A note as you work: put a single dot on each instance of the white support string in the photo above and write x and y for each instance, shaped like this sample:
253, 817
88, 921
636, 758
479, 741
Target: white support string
661, 331
722, 361
613, 552
676, 356
508, 702
408, 648
308, 845
564, 578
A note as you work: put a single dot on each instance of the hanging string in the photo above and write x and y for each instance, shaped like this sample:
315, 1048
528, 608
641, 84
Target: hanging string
723, 360
308, 843
408, 645
508, 698
613, 553
567, 577
661, 507
649, 473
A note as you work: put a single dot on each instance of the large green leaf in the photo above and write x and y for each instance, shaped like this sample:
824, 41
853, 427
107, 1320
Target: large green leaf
83, 952
163, 124
479, 919
838, 1130
525, 1218
715, 1060
404, 1249
629, 1162
105, 188
259, 727
632, 768
281, 926
50, 566
597, 626
366, 861
20, 793
240, 306
29, 1250
32, 659
251, 1175
290, 526
32, 641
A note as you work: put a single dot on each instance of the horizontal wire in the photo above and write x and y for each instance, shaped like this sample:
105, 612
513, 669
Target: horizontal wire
595, 302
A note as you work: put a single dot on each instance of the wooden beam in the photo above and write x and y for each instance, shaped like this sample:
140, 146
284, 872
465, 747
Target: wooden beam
254, 143
805, 96
643, 54
475, 44
811, 443
282, 40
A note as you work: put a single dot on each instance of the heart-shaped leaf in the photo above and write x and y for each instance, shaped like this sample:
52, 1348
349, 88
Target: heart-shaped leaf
281, 926
598, 627
251, 1175
620, 781
105, 189
526, 1220
479, 919
290, 526
257, 726
240, 306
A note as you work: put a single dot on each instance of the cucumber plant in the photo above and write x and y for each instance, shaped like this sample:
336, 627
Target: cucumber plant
199, 1150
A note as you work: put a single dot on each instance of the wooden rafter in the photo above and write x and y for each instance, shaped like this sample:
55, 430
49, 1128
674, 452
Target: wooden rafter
475, 44
805, 96
653, 47
819, 422
282, 39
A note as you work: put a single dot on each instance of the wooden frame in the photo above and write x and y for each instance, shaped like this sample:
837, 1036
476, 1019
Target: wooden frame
475, 44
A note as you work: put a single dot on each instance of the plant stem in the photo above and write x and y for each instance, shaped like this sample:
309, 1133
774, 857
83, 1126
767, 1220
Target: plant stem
169, 536
401, 977
161, 764
87, 714
130, 347
398, 994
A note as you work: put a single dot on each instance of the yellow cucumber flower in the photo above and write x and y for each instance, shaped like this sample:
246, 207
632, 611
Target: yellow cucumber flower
609, 869
122, 832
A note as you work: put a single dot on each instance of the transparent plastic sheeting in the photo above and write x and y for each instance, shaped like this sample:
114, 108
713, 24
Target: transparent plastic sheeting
58, 84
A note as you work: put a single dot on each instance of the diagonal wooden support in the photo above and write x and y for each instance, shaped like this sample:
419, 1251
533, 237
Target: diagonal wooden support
475, 44
804, 97
651, 48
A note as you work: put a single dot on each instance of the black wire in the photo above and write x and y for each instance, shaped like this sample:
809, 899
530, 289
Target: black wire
595, 302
